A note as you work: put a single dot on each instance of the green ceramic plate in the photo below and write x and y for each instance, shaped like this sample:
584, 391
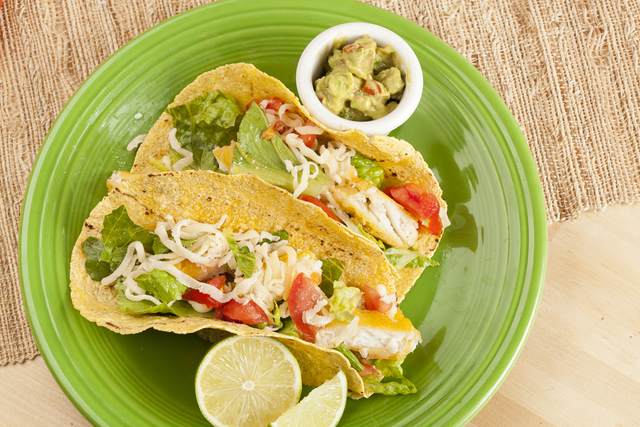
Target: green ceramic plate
474, 311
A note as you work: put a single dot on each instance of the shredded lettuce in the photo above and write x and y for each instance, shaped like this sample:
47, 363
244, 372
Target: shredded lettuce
332, 270
353, 360
378, 242
244, 257
175, 156
204, 123
161, 285
282, 235
368, 169
277, 318
266, 157
344, 301
393, 382
288, 328
410, 258
157, 163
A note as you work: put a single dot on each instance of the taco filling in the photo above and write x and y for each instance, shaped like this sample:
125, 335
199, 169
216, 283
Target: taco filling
272, 140
187, 268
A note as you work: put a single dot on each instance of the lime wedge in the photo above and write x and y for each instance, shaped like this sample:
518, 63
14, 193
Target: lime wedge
247, 381
323, 407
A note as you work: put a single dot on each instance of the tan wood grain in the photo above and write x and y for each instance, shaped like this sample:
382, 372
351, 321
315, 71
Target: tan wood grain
580, 366
581, 363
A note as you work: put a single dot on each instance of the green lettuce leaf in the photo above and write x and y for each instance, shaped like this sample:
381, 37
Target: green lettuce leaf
244, 257
393, 382
277, 318
266, 158
178, 308
371, 237
92, 248
388, 388
282, 234
161, 285
368, 169
204, 123
332, 270
344, 301
353, 360
118, 232
401, 258
288, 328
422, 261
175, 156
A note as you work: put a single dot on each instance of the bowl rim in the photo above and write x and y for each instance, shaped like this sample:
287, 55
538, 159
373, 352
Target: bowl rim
316, 51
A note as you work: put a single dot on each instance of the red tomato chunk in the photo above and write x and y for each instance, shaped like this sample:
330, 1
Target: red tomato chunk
202, 298
275, 103
373, 300
321, 205
423, 205
249, 313
303, 296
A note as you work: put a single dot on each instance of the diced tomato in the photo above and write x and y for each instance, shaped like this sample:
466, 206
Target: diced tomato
310, 138
373, 300
249, 313
256, 100
217, 314
371, 87
275, 103
368, 90
368, 369
434, 224
322, 206
415, 199
202, 298
303, 296
350, 48
280, 126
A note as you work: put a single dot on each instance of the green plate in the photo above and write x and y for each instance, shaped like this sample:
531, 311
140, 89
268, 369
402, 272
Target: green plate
474, 311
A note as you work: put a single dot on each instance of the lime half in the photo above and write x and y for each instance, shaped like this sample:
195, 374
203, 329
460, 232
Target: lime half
323, 407
247, 381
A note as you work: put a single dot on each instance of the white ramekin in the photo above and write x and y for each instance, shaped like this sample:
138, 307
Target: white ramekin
310, 68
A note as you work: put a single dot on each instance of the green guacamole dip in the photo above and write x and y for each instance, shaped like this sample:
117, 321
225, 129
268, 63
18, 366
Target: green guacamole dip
363, 81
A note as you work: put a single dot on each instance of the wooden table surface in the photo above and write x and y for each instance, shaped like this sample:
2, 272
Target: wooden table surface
580, 366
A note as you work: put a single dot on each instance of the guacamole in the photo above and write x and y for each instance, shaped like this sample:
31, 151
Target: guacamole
363, 81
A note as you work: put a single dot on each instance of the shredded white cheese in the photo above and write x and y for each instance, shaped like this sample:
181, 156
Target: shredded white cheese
276, 264
135, 142
444, 218
318, 315
187, 159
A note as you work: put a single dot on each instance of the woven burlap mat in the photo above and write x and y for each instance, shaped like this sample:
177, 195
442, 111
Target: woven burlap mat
569, 71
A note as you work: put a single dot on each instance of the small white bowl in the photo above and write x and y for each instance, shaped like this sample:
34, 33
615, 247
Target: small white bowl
310, 68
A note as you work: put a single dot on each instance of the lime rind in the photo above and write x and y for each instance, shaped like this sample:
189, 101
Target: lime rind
323, 407
247, 381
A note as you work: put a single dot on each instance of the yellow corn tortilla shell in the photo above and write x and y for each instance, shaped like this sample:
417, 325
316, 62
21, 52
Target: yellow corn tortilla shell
249, 203
401, 162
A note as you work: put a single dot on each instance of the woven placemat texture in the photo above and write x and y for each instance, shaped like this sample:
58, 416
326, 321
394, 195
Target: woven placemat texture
568, 70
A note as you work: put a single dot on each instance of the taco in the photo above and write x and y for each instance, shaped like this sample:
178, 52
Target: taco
238, 120
199, 251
